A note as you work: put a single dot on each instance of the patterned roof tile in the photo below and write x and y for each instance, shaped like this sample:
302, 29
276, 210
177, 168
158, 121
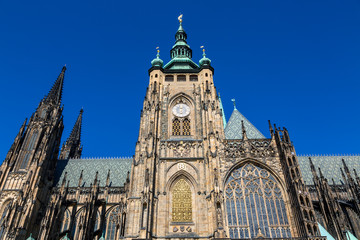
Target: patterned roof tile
330, 166
233, 129
119, 168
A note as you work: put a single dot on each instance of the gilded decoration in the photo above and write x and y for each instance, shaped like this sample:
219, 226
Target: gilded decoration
181, 202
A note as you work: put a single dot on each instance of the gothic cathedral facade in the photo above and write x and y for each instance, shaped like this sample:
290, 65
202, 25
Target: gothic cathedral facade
193, 176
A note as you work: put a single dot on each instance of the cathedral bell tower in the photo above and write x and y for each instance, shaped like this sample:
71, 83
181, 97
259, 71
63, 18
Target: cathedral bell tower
26, 174
174, 189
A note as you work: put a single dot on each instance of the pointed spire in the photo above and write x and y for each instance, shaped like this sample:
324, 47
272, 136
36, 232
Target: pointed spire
321, 174
56, 91
270, 128
312, 166
108, 178
64, 180
72, 147
96, 178
80, 178
243, 130
76, 131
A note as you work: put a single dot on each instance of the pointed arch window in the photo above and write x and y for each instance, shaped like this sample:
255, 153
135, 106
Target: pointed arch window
176, 129
66, 221
4, 215
113, 224
76, 228
181, 127
97, 221
186, 127
30, 145
255, 204
181, 202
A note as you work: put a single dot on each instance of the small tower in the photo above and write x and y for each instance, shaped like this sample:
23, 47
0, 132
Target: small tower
72, 147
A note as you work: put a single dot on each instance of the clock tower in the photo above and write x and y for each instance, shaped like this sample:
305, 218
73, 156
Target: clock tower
174, 190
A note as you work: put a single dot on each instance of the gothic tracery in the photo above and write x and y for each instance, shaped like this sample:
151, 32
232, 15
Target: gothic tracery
255, 204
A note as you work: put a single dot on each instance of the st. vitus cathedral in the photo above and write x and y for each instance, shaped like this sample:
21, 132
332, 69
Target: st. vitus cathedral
193, 175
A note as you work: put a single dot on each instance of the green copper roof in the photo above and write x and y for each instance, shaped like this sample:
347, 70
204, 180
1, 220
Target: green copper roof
181, 53
222, 111
30, 237
118, 171
330, 166
157, 62
233, 129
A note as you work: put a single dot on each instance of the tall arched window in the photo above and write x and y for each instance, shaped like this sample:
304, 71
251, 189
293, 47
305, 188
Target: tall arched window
181, 202
3, 215
97, 221
66, 221
28, 150
186, 127
176, 129
76, 229
112, 223
255, 204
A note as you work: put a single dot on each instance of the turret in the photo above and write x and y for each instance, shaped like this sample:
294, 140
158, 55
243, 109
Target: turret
72, 147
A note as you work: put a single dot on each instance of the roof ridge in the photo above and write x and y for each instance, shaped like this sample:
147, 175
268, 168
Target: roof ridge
329, 155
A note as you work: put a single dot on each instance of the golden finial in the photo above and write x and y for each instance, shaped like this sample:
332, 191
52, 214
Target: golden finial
180, 18
203, 49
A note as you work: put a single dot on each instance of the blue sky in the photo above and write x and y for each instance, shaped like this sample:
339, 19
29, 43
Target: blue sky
293, 62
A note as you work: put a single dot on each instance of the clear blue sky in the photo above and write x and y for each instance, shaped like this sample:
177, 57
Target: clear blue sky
296, 63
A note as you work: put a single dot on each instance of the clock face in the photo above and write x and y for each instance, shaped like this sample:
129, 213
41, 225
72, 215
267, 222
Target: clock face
181, 110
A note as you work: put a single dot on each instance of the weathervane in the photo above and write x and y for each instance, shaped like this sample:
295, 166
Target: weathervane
203, 49
180, 18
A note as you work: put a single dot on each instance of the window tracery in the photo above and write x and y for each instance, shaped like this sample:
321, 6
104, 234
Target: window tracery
181, 127
76, 229
28, 150
255, 204
66, 221
3, 219
181, 202
113, 223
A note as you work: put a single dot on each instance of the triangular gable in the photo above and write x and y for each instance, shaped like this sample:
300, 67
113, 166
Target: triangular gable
233, 129
325, 233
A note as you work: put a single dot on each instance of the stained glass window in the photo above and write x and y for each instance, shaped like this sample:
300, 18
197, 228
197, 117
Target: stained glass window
97, 221
112, 223
66, 221
255, 205
76, 229
181, 202
28, 150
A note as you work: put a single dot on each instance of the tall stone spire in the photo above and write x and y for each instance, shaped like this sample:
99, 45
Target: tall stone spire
72, 147
55, 93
